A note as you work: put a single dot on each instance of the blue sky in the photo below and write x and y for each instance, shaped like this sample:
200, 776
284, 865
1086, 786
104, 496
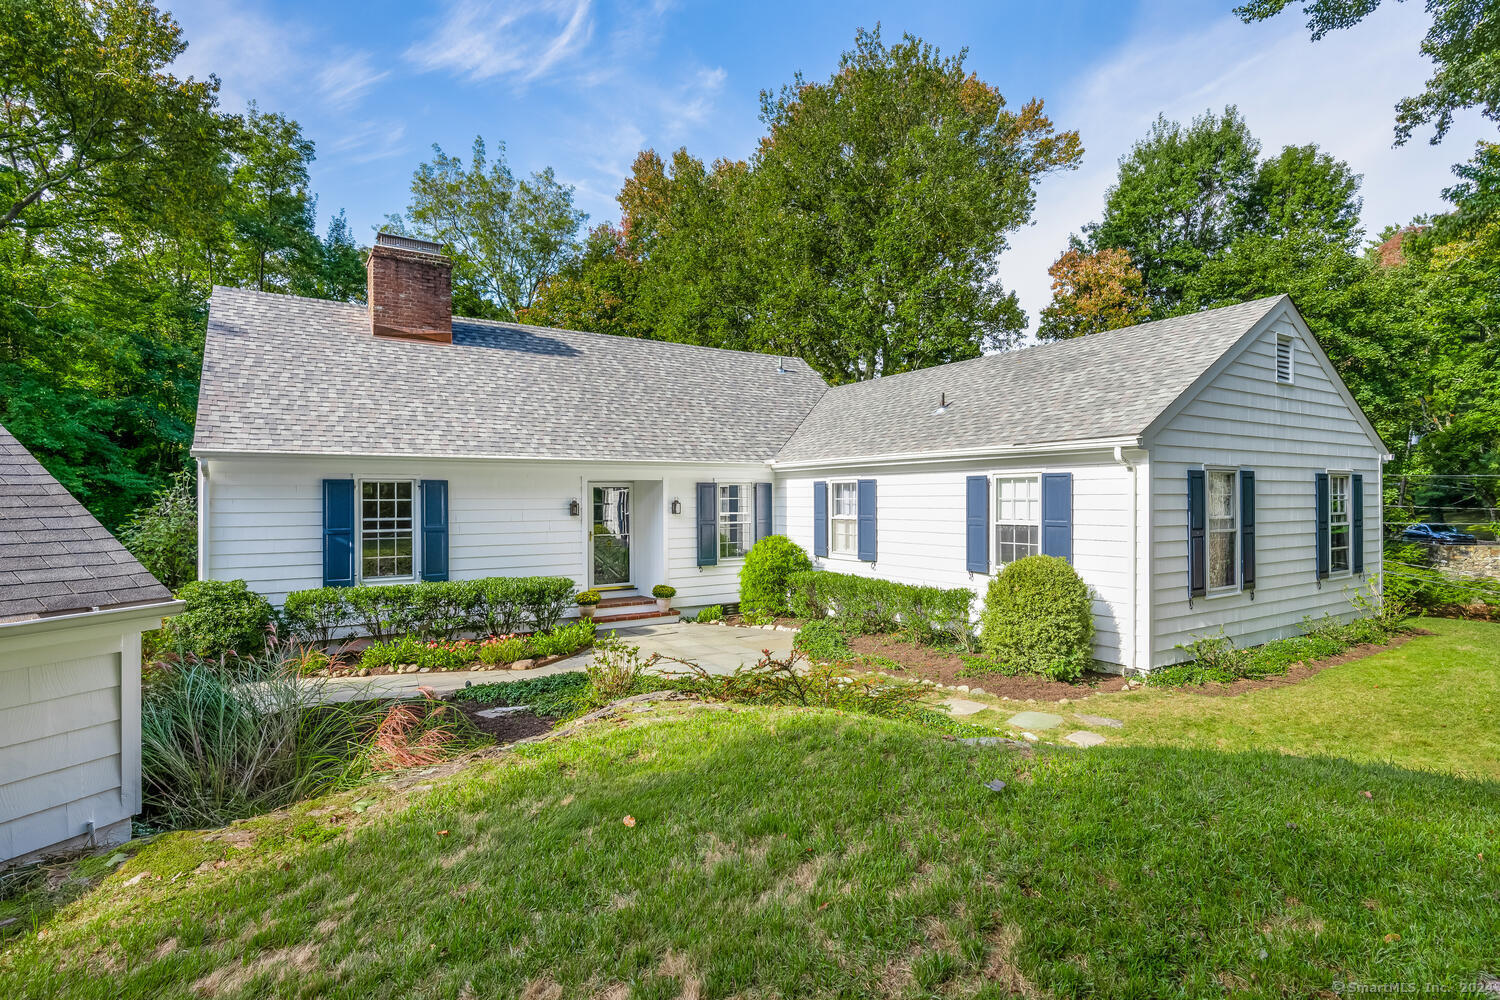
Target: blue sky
583, 85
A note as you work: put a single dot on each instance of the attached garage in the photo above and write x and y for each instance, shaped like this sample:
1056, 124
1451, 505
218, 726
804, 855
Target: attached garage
73, 605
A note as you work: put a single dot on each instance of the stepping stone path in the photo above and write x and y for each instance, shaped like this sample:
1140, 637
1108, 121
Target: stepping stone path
963, 706
1099, 720
995, 786
1084, 739
1035, 720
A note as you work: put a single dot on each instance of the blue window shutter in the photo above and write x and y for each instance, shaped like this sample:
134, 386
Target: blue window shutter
820, 519
434, 529
708, 524
1057, 515
763, 503
977, 524
338, 532
1357, 524
1197, 534
1320, 546
1247, 528
867, 520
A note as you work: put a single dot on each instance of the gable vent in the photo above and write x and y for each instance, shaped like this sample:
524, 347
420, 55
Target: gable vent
1283, 358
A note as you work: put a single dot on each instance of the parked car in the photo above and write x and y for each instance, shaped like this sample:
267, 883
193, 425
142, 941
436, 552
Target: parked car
1439, 534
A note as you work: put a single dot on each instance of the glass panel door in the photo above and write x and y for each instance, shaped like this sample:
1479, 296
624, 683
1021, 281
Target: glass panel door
611, 536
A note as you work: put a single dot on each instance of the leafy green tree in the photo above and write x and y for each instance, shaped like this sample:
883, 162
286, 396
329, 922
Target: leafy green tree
1463, 43
271, 210
598, 290
1092, 292
1181, 198
164, 535
881, 200
507, 236
340, 273
1301, 188
90, 115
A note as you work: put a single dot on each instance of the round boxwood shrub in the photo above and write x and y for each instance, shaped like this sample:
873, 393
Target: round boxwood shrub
765, 576
222, 616
1038, 619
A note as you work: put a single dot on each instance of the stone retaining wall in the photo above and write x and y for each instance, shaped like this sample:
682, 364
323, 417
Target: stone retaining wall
1479, 559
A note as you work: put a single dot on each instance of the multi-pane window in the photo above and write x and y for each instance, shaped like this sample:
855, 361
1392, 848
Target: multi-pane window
736, 519
385, 529
843, 519
1018, 519
1223, 529
1338, 523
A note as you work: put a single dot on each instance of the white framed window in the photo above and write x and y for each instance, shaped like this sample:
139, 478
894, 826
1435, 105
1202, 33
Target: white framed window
1338, 522
736, 519
843, 518
1285, 355
386, 529
1018, 518
1223, 530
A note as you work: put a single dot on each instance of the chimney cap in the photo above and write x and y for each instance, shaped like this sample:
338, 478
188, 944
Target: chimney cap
410, 243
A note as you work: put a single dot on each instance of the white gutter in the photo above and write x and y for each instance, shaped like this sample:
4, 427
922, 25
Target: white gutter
1135, 608
988, 451
94, 616
202, 519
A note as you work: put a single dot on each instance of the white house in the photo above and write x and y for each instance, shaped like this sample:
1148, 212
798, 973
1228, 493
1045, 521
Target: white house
73, 605
1200, 472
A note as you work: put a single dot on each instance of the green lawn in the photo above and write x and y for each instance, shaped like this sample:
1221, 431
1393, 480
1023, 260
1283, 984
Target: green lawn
1432, 703
780, 852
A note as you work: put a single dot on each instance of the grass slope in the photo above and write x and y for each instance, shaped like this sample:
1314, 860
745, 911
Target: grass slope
806, 853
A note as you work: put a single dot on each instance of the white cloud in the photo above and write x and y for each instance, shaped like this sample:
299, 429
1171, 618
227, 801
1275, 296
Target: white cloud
369, 142
252, 55
1339, 92
345, 79
520, 39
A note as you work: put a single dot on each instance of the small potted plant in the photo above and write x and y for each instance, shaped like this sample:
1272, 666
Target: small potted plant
663, 595
588, 601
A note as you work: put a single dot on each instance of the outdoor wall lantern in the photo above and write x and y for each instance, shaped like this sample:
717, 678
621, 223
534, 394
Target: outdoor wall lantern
573, 508
676, 506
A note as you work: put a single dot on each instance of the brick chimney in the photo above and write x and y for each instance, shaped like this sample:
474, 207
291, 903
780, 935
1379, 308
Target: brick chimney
410, 289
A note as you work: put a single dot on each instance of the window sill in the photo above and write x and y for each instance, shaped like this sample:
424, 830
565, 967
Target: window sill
1223, 592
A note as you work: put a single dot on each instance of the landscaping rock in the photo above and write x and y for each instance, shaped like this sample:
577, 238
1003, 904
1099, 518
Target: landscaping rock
1030, 736
1084, 739
963, 706
1099, 720
499, 710
976, 690
1036, 720
993, 741
522, 665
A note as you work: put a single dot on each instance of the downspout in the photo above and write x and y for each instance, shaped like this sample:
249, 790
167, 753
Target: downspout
1135, 609
202, 519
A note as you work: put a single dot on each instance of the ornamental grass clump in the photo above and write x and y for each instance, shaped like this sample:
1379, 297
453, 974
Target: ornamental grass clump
1038, 619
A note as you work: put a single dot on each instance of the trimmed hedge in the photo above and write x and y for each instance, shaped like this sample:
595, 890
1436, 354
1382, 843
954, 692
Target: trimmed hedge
862, 604
221, 617
1039, 619
432, 611
765, 577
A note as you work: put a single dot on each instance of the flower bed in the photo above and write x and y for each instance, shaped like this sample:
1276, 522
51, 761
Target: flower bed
409, 654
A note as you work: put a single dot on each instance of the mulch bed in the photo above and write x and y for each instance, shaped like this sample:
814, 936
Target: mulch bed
505, 728
919, 662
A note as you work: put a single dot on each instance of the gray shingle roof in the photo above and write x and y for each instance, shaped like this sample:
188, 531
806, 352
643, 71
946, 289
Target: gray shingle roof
54, 557
1110, 384
288, 374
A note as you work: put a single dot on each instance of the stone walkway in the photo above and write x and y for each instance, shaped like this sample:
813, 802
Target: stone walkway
719, 649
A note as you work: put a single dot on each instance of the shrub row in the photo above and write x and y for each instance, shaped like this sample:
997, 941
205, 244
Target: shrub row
430, 611
498, 650
861, 604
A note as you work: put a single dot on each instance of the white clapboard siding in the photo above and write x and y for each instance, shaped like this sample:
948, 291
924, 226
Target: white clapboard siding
920, 528
69, 730
1284, 433
265, 520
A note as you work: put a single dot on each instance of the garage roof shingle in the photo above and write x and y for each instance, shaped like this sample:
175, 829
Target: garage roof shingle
55, 558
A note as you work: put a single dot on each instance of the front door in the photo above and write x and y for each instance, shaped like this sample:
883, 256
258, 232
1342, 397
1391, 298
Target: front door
611, 536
